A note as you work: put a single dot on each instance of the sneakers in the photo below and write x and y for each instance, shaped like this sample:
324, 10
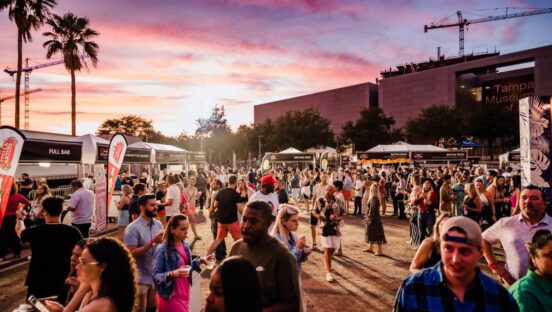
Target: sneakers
329, 277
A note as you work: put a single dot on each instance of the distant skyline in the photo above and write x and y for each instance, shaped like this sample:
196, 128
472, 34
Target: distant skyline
172, 61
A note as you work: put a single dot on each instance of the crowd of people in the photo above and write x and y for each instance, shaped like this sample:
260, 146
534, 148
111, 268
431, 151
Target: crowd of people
455, 217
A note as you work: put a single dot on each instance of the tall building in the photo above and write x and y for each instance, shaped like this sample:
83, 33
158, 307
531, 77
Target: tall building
338, 105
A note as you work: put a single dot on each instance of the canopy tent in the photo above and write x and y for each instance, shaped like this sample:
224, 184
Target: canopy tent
166, 154
402, 152
290, 155
511, 156
325, 156
92, 147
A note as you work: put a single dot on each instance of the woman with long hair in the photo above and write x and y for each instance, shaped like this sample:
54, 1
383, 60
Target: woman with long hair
497, 190
305, 188
515, 187
123, 207
459, 192
374, 227
427, 205
42, 192
107, 276
532, 292
428, 253
472, 203
224, 296
488, 214
413, 204
172, 266
192, 195
8, 236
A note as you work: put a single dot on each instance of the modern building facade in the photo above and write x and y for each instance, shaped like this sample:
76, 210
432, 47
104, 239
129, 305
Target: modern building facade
337, 105
485, 79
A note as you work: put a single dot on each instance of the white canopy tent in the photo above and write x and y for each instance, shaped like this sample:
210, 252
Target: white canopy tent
90, 148
401, 146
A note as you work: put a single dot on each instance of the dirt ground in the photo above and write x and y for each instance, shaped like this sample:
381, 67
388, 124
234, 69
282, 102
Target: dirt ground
364, 282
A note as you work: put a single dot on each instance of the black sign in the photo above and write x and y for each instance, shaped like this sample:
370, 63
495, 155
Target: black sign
362, 155
170, 158
297, 157
508, 91
514, 156
439, 156
195, 157
345, 158
385, 155
51, 151
137, 156
103, 152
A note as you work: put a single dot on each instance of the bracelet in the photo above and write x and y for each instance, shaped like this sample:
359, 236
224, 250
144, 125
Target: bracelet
493, 265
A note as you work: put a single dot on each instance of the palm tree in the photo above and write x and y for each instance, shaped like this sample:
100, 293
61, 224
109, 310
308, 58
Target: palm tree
70, 36
27, 14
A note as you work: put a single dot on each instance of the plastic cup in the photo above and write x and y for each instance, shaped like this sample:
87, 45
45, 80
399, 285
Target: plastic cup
186, 269
307, 248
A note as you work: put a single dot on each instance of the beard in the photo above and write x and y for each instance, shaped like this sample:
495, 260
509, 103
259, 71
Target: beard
151, 213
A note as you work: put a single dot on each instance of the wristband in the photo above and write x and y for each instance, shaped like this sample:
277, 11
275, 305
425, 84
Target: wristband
493, 265
151, 242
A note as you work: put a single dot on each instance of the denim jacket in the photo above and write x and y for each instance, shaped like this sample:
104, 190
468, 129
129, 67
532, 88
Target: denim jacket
161, 268
298, 254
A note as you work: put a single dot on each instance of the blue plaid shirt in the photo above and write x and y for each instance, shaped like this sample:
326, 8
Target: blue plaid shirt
427, 291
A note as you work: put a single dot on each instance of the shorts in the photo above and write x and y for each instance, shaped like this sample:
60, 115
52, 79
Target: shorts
123, 218
333, 242
295, 193
305, 190
346, 195
146, 297
233, 228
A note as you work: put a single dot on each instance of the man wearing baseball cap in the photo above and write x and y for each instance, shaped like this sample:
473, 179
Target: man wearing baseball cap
267, 195
455, 283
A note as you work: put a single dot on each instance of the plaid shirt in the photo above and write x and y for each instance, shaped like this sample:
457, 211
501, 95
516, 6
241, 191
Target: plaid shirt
427, 291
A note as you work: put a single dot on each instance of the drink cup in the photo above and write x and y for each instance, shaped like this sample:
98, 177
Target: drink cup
307, 248
186, 268
210, 263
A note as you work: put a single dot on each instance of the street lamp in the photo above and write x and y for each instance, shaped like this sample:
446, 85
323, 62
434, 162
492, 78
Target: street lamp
259, 137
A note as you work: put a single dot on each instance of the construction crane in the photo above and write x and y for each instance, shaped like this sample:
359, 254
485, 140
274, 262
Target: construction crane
28, 70
462, 22
13, 96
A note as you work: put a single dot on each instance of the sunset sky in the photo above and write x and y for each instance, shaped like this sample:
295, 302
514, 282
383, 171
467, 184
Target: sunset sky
172, 61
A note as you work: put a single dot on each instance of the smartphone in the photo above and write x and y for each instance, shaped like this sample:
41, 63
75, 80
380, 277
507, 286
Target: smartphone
35, 302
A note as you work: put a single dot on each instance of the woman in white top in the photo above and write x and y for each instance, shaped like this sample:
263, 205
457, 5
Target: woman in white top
192, 195
42, 192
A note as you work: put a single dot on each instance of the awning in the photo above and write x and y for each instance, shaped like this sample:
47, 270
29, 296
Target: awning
44, 147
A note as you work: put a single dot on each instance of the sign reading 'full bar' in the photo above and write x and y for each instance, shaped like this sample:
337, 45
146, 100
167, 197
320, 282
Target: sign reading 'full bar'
48, 151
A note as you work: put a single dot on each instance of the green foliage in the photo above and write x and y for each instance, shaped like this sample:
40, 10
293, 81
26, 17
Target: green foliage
436, 124
131, 125
302, 130
373, 127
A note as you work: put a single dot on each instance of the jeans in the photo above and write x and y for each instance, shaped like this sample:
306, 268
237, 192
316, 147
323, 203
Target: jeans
8, 237
358, 205
425, 224
220, 252
202, 199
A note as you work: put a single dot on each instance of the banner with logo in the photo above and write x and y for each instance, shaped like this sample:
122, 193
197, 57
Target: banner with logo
117, 151
11, 141
101, 198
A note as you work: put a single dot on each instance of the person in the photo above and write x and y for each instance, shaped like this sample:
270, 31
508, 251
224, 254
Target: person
26, 185
358, 185
228, 203
488, 214
295, 186
82, 206
472, 204
172, 198
275, 266
127, 179
427, 204
224, 296
267, 195
383, 192
201, 184
446, 195
497, 190
429, 253
42, 192
455, 283
51, 247
346, 189
160, 198
331, 211
106, 273
8, 236
515, 191
374, 227
414, 203
280, 190
122, 206
512, 233
532, 292
458, 189
287, 222
192, 195
133, 209
140, 237
71, 284
172, 266
305, 189
220, 251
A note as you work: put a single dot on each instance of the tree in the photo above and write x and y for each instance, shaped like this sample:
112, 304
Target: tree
491, 122
373, 127
216, 123
302, 130
131, 125
71, 37
436, 124
27, 14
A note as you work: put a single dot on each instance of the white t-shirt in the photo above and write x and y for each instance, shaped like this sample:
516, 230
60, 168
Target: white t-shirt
271, 199
358, 188
173, 192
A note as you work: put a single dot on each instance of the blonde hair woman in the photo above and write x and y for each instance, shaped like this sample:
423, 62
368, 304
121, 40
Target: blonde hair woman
374, 227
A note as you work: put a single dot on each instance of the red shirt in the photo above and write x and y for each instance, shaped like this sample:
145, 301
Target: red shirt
13, 203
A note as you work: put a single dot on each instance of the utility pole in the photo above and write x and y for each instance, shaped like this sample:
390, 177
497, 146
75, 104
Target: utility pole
260, 156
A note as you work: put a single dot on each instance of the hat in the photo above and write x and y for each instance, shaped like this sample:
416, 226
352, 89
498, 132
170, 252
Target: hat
268, 179
470, 227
